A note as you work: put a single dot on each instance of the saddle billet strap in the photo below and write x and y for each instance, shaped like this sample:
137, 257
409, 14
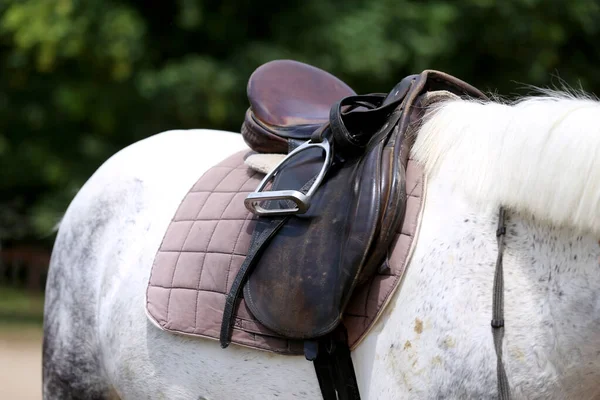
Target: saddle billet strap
325, 375
334, 368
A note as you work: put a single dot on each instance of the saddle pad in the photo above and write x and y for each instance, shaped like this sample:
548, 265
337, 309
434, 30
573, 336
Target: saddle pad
206, 243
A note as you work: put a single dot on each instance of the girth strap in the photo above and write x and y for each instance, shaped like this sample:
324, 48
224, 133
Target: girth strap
333, 366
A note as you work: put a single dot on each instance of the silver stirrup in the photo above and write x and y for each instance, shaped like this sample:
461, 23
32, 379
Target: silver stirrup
302, 201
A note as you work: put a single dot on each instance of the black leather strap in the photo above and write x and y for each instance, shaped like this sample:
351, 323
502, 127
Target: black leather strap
498, 311
357, 120
324, 365
352, 129
346, 384
334, 368
258, 243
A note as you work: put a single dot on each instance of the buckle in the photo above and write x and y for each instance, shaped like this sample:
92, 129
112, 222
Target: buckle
301, 200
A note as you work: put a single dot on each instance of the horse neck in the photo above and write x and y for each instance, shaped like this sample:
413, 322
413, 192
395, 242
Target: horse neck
551, 286
552, 283
556, 273
560, 264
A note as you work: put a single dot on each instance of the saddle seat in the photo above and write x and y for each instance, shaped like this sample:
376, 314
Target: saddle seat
289, 100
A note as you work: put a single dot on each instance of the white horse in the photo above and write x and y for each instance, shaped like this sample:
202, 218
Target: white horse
539, 158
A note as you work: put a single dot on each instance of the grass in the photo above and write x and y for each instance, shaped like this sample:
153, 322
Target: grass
19, 307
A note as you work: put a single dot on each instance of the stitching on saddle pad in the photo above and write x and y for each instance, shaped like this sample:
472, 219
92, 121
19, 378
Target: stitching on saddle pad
160, 251
188, 288
174, 270
411, 192
221, 191
237, 239
199, 251
214, 188
257, 344
209, 219
370, 282
208, 246
231, 191
179, 255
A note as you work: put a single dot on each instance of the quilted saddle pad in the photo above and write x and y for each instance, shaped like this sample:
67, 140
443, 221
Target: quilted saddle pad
206, 243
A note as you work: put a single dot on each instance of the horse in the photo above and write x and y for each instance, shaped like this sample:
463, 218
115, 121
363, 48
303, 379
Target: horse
537, 157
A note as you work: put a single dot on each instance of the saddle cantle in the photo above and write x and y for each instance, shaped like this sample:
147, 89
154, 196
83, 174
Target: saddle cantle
289, 100
325, 226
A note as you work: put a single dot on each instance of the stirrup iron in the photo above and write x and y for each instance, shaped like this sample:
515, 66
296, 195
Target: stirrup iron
301, 200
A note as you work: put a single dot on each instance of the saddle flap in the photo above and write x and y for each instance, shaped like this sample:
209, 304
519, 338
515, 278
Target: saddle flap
302, 281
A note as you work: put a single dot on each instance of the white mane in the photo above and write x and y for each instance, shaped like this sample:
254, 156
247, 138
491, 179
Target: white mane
540, 155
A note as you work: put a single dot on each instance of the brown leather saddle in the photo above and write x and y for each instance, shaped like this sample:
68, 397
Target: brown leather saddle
289, 100
328, 212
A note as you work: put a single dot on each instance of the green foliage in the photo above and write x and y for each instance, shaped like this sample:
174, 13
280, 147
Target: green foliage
19, 307
80, 80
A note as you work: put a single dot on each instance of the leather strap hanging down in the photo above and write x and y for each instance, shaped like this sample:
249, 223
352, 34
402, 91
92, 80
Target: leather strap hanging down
498, 310
258, 243
333, 365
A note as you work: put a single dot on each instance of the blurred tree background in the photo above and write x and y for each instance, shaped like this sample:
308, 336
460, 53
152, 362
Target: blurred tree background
82, 79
